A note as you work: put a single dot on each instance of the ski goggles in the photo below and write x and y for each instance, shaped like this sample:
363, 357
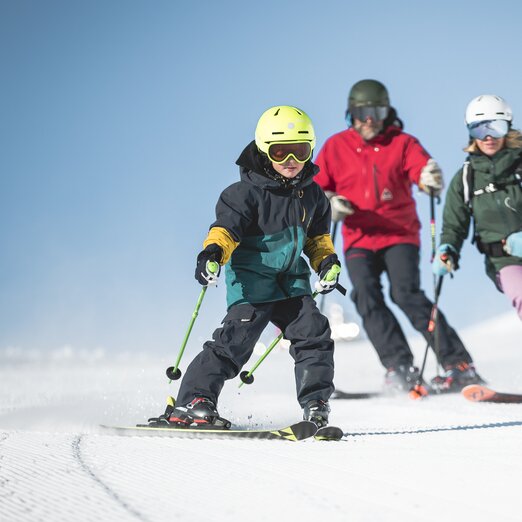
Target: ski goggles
495, 128
377, 113
281, 152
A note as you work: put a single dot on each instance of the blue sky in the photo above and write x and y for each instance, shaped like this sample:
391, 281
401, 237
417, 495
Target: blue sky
121, 121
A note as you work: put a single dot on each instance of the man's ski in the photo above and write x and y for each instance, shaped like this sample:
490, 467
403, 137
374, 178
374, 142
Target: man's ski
479, 393
299, 431
338, 394
329, 433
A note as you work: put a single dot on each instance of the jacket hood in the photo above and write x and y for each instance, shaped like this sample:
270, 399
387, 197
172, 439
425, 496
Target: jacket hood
256, 168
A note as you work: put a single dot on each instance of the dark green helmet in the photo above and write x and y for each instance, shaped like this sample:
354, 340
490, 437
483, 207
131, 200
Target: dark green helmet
368, 93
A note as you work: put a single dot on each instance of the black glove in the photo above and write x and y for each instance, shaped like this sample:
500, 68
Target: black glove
204, 275
328, 275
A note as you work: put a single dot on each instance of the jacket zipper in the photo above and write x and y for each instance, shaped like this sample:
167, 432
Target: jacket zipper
375, 184
294, 248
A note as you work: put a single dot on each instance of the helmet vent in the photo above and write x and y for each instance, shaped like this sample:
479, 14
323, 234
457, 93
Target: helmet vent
303, 132
277, 132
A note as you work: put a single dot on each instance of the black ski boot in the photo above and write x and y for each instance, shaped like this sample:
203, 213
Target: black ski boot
456, 377
401, 378
199, 413
317, 412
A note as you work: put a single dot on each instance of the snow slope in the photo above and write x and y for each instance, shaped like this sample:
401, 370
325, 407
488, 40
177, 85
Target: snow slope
439, 459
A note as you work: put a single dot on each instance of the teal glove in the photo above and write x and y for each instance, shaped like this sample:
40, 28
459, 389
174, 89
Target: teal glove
446, 260
513, 244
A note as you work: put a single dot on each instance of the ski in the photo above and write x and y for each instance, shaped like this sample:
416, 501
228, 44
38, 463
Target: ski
479, 393
329, 433
338, 394
298, 431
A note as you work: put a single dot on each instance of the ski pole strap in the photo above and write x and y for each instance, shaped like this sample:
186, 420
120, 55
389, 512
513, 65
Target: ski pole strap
340, 288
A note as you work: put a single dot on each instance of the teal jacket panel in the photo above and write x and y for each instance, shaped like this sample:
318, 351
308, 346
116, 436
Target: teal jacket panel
271, 219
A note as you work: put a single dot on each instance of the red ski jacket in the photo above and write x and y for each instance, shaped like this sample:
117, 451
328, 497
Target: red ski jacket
376, 176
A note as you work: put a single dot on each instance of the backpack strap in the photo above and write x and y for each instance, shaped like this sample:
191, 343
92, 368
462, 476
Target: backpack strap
467, 181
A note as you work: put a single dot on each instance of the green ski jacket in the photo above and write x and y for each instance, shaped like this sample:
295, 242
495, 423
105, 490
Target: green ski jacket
495, 204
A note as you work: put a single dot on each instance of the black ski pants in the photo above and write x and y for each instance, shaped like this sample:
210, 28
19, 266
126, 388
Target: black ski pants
401, 264
222, 358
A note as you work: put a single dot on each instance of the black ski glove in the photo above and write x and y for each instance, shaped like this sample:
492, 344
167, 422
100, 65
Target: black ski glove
326, 284
204, 275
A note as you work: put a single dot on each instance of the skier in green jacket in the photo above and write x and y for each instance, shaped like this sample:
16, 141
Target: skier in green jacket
488, 190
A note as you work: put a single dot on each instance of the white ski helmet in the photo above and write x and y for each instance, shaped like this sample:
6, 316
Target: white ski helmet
488, 107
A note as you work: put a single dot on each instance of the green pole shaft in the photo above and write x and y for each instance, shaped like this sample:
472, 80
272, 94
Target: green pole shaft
264, 356
213, 267
189, 329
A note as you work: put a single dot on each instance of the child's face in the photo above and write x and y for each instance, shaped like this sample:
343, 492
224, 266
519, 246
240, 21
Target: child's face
289, 169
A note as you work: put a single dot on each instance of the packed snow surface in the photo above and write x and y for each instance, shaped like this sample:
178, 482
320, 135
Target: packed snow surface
441, 458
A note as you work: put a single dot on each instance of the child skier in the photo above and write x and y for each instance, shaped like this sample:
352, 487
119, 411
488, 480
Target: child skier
263, 224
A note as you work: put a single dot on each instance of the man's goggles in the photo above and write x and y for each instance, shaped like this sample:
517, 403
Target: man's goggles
494, 128
377, 113
281, 152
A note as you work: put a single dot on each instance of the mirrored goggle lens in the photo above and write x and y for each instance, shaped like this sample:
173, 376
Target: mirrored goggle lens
279, 152
494, 128
375, 113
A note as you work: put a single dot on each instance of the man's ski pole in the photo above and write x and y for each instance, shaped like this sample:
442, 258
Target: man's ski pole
418, 390
173, 372
247, 377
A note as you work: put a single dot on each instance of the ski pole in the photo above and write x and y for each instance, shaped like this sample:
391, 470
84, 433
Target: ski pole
334, 233
247, 377
418, 390
173, 372
436, 285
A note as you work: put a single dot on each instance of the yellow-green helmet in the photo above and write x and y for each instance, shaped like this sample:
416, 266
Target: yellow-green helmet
284, 124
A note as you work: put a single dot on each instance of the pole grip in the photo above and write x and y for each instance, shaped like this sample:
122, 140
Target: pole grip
212, 267
332, 274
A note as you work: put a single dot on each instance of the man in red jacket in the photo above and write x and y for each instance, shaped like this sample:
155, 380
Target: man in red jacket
368, 171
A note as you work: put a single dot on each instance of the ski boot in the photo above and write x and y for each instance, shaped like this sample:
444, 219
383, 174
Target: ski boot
456, 377
317, 412
200, 413
401, 378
